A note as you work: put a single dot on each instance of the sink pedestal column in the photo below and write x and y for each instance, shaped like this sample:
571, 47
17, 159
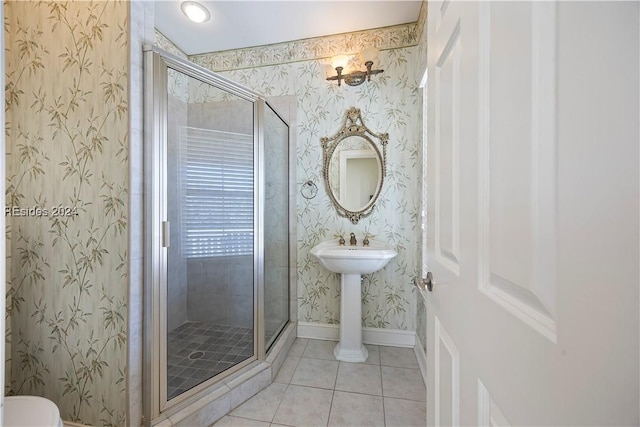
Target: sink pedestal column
350, 347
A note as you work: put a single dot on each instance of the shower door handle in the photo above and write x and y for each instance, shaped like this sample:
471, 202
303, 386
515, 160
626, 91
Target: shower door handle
166, 229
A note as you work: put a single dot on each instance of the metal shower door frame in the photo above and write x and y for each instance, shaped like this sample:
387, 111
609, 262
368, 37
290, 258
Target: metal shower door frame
156, 65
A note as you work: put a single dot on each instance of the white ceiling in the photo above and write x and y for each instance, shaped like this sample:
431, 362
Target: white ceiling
243, 23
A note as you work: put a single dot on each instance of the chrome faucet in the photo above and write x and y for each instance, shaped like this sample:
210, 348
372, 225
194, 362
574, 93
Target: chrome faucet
353, 240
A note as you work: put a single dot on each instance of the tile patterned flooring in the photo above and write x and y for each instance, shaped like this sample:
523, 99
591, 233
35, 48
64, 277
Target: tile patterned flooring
314, 389
198, 351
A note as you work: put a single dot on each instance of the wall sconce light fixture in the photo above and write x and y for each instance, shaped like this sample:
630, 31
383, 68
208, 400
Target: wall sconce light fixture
355, 78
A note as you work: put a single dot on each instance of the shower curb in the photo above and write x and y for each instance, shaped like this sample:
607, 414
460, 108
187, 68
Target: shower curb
220, 399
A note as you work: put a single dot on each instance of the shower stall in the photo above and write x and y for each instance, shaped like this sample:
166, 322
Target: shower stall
217, 232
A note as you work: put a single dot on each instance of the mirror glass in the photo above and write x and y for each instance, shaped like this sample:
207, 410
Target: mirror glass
355, 173
353, 167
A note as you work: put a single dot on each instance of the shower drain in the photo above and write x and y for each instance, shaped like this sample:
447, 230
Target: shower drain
196, 355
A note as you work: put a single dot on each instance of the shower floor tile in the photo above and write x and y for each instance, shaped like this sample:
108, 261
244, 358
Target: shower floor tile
199, 351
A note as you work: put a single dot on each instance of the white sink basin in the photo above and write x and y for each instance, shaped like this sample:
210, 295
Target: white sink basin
353, 259
351, 262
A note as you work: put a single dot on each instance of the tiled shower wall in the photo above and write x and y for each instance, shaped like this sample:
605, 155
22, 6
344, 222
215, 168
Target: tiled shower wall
220, 289
177, 305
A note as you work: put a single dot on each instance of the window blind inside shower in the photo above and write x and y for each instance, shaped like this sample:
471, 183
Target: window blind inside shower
217, 190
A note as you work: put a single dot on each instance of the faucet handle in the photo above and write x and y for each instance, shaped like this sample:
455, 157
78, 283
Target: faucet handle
365, 241
353, 241
341, 240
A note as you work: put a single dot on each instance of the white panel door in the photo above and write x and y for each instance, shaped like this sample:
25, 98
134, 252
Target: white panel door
533, 213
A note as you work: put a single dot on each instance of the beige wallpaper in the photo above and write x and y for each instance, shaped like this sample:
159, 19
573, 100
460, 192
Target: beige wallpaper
393, 37
168, 45
67, 191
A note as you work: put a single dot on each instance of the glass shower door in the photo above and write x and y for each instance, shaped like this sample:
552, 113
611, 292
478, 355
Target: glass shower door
210, 316
276, 226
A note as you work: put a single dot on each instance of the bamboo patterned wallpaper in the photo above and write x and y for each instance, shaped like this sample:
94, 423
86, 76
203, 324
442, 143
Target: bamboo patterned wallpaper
389, 103
67, 144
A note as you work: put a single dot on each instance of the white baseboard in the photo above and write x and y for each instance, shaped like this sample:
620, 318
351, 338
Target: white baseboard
318, 331
422, 358
375, 336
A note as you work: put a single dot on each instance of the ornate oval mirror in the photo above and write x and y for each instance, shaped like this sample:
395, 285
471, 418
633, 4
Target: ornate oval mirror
354, 168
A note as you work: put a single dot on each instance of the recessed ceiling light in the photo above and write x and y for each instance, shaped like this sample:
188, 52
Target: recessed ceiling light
195, 11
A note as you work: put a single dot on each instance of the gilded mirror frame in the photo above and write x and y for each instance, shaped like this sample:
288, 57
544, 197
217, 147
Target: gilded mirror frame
353, 125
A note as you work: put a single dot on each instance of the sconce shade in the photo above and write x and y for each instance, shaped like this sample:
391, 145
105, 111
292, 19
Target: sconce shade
369, 54
339, 61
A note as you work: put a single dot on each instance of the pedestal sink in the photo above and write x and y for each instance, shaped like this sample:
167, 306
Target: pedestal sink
351, 262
